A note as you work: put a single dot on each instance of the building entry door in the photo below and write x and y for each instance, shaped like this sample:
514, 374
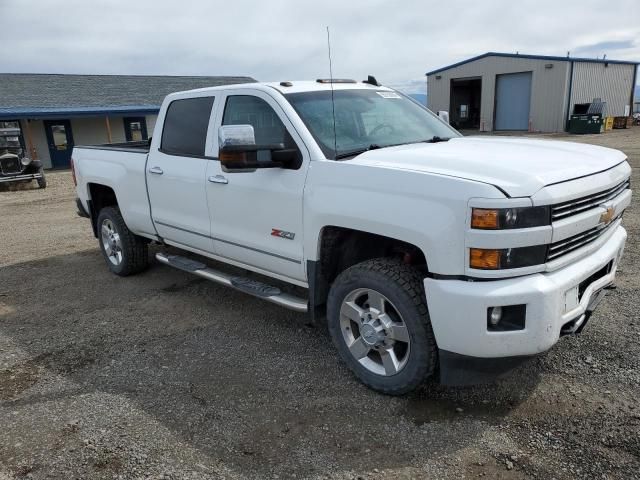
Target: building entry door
513, 100
60, 141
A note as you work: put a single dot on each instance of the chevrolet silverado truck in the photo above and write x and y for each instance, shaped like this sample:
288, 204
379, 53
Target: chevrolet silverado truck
427, 253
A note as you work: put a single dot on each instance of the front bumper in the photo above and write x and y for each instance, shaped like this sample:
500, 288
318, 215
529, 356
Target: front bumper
32, 171
458, 309
19, 177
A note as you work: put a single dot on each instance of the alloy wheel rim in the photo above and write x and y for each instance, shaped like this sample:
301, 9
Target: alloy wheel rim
374, 332
111, 242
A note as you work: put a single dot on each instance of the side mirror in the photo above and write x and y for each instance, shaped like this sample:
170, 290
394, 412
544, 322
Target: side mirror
236, 135
238, 150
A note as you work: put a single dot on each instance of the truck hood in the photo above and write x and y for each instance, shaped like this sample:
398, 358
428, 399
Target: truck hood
518, 166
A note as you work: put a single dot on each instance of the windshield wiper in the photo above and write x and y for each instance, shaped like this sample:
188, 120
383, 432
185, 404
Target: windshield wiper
436, 139
375, 146
353, 153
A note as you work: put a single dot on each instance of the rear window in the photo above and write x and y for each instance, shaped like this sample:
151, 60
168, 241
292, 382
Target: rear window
185, 126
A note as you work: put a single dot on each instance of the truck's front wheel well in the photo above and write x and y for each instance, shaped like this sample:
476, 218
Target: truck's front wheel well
101, 196
341, 248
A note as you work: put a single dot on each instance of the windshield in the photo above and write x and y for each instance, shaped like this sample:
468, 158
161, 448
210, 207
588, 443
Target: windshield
365, 120
9, 142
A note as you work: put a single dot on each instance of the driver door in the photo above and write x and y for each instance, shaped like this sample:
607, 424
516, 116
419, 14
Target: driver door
256, 215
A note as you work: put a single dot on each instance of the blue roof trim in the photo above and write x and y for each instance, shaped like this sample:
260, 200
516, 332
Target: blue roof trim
531, 57
53, 112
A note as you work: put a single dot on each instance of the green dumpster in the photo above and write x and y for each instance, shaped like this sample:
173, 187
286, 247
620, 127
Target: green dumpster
585, 124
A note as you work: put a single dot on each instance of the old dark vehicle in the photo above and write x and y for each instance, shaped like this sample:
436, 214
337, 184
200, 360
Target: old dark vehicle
15, 165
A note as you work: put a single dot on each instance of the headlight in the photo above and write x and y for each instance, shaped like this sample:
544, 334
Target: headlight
505, 218
25, 161
500, 259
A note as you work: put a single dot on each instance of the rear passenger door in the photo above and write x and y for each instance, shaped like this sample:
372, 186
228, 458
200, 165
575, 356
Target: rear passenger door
176, 175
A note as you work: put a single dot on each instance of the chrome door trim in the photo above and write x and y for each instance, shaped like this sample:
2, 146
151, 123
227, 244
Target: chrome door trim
293, 260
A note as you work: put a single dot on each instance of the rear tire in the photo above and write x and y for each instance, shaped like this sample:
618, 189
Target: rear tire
124, 252
378, 319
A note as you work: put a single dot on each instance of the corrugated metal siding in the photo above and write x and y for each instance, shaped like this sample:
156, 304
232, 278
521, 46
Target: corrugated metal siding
549, 89
611, 83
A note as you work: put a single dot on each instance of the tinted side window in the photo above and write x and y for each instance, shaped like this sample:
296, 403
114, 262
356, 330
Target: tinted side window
185, 126
267, 126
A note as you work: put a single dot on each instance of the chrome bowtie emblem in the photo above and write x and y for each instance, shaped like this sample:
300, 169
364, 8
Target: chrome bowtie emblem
607, 216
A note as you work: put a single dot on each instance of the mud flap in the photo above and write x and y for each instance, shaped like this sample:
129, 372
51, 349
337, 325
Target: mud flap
461, 370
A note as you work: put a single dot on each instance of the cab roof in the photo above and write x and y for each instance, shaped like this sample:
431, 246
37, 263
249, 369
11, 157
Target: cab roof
294, 86
315, 86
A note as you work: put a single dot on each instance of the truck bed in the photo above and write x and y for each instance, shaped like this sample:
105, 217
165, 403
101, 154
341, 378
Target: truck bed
121, 167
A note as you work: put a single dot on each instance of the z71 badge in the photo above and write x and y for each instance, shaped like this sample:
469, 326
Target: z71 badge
276, 232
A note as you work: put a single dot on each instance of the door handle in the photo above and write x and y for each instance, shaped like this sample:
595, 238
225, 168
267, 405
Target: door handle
156, 170
219, 179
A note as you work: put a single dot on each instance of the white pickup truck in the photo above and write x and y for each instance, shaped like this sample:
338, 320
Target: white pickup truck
431, 253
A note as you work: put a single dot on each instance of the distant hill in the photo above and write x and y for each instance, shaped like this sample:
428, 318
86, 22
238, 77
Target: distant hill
419, 97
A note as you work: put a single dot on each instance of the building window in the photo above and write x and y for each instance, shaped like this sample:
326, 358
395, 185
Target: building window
59, 134
185, 126
135, 129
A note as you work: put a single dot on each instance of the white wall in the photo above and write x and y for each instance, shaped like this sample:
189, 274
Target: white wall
39, 140
151, 124
91, 130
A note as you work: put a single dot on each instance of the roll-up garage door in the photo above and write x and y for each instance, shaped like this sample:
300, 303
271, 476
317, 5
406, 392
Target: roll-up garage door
513, 99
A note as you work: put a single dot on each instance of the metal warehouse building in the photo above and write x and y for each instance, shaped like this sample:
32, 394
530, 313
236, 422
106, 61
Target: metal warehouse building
503, 91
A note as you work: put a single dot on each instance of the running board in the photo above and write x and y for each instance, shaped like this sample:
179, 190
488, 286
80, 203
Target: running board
252, 287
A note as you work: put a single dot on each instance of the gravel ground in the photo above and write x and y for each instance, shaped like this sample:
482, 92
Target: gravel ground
163, 375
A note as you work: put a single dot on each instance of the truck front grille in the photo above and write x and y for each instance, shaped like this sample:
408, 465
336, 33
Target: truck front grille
573, 207
570, 244
10, 166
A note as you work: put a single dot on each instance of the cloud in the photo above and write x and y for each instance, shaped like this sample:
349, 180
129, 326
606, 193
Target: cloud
286, 39
608, 47
417, 85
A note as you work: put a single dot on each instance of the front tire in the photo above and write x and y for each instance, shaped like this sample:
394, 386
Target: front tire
42, 181
124, 252
378, 320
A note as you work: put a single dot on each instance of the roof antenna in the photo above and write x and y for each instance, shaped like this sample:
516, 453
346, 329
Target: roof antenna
333, 104
371, 80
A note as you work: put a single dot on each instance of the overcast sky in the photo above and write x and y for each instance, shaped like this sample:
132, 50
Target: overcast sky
286, 39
